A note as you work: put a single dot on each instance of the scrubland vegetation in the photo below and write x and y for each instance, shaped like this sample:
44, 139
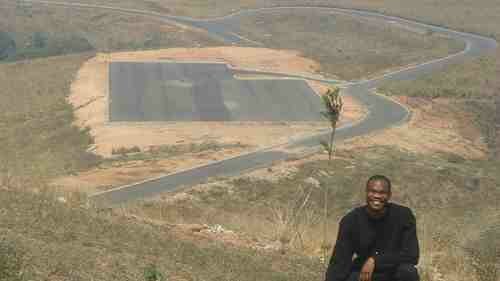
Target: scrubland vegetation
37, 138
443, 189
46, 239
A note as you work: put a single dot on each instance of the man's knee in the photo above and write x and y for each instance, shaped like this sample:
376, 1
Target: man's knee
354, 276
407, 272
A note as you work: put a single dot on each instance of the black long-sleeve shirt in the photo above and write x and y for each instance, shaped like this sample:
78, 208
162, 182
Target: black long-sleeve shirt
391, 240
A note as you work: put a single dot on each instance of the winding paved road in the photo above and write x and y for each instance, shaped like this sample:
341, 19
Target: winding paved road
383, 112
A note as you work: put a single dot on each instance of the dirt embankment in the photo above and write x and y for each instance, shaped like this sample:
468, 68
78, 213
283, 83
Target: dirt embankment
436, 126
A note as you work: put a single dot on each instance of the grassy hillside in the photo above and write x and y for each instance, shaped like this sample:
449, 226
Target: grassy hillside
45, 239
37, 139
455, 199
346, 47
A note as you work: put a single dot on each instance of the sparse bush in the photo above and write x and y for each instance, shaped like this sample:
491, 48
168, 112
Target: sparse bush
125, 150
165, 151
485, 253
37, 137
151, 273
44, 44
455, 158
7, 45
10, 261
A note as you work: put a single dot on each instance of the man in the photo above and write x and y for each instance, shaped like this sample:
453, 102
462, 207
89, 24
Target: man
376, 242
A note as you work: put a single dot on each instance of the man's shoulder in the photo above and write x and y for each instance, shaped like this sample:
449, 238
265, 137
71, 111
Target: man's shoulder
401, 211
400, 208
353, 214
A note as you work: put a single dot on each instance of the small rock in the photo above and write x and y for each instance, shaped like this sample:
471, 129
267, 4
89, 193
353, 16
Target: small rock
217, 229
194, 227
312, 181
274, 246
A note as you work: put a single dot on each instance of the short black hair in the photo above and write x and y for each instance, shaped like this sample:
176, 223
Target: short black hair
380, 178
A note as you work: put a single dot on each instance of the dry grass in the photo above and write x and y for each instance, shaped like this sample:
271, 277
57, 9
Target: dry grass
481, 16
441, 189
347, 47
473, 88
50, 240
37, 138
193, 8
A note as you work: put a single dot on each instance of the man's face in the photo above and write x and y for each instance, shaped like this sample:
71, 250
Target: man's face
377, 196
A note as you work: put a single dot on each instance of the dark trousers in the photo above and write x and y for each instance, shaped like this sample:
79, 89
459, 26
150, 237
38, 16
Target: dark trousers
404, 272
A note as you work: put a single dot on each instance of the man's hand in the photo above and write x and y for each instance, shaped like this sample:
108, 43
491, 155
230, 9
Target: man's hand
367, 270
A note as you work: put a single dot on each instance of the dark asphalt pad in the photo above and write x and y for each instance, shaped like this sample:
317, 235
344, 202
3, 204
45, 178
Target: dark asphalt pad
161, 91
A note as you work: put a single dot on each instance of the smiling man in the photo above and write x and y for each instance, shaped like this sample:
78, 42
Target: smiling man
377, 241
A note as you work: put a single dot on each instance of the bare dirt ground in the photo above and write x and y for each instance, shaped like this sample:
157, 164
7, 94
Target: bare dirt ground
89, 96
435, 126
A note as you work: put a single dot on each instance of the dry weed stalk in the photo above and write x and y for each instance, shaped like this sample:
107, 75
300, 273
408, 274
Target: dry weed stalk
288, 219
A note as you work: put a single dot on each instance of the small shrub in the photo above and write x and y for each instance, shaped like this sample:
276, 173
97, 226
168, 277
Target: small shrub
151, 273
485, 253
7, 45
10, 262
125, 150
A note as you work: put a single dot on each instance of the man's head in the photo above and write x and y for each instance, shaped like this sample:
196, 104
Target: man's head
378, 193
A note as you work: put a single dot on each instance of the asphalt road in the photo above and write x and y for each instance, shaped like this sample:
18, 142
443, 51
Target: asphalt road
169, 91
383, 113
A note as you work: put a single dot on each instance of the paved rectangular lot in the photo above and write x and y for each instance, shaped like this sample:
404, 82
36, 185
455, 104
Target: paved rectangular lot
161, 91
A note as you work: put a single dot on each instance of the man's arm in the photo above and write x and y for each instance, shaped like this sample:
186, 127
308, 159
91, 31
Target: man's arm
409, 252
340, 264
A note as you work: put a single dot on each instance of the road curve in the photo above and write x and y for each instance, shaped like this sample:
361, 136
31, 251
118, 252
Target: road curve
383, 112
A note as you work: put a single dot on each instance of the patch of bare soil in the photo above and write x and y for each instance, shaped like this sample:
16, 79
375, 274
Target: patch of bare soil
124, 172
212, 233
89, 96
435, 126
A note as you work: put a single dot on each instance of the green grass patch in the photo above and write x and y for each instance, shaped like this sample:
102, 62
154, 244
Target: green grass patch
165, 151
44, 44
37, 138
